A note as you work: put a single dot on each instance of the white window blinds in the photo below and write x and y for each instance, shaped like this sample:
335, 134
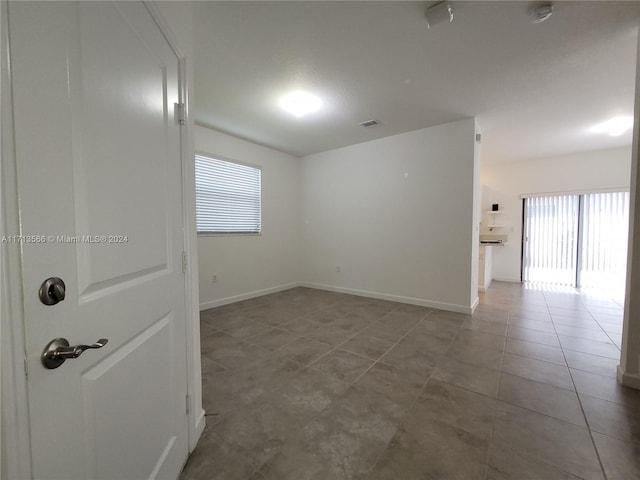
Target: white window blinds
551, 239
227, 197
605, 218
577, 240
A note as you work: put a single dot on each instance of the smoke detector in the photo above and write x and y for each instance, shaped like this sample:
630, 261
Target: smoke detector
540, 13
441, 12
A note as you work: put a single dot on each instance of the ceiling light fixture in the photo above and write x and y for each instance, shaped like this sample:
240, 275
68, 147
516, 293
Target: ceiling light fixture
439, 13
540, 13
615, 127
300, 103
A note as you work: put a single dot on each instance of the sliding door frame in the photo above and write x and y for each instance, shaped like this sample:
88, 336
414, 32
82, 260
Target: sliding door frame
580, 226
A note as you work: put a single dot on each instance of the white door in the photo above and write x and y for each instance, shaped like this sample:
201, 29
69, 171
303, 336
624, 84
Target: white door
99, 177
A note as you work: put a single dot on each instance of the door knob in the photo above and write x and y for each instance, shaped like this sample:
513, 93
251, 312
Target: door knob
52, 291
58, 350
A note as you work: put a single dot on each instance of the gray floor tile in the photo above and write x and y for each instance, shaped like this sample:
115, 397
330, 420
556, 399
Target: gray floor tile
367, 346
457, 407
429, 407
605, 387
587, 346
538, 370
591, 363
244, 328
542, 398
563, 445
508, 464
585, 333
484, 357
439, 327
621, 460
342, 365
385, 331
430, 449
273, 339
613, 419
588, 323
299, 326
418, 355
471, 377
480, 325
468, 338
304, 350
532, 324
538, 351
400, 386
535, 336
330, 335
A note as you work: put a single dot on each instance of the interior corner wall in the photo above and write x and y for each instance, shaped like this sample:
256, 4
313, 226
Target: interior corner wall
505, 183
475, 225
394, 216
252, 265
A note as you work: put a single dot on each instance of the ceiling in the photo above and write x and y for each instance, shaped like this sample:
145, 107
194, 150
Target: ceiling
536, 89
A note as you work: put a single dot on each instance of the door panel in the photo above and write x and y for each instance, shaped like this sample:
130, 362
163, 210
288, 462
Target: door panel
110, 417
99, 174
102, 194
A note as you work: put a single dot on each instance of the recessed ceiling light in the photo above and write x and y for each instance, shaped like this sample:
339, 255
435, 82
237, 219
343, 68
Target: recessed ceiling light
300, 103
615, 127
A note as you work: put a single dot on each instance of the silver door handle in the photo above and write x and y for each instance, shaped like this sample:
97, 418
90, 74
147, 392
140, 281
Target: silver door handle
58, 350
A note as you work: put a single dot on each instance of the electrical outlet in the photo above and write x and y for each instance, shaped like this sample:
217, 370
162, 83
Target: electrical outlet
338, 269
214, 279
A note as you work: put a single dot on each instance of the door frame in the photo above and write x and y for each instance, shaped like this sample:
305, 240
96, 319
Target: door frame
15, 451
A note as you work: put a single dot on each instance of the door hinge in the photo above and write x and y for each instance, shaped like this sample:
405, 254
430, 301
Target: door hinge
26, 366
179, 113
185, 262
188, 397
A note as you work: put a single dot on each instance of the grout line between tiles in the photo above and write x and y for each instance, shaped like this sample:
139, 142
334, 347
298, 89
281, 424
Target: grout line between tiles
584, 414
495, 410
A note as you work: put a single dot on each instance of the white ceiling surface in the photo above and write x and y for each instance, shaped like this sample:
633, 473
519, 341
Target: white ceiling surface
536, 89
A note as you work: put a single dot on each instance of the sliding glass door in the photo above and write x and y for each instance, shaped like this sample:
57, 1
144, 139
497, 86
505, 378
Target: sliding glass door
576, 240
551, 239
605, 229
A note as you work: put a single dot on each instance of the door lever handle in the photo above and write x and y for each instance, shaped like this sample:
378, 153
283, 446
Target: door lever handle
58, 350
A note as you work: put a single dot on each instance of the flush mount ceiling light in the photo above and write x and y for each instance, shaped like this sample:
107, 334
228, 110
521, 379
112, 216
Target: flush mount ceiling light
615, 127
540, 13
300, 103
439, 13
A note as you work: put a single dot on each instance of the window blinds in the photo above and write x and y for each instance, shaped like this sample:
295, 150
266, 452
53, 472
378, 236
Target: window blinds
551, 239
577, 240
228, 197
605, 220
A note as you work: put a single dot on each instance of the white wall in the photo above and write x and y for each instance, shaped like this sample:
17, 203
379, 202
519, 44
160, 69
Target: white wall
629, 368
396, 215
251, 265
504, 183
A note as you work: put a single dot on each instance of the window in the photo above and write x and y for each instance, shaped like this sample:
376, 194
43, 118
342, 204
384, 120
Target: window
227, 197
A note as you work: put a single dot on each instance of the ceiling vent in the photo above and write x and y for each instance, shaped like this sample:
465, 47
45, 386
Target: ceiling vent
370, 123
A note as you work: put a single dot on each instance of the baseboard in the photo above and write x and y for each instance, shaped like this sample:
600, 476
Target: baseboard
394, 298
507, 279
475, 304
631, 380
247, 296
200, 423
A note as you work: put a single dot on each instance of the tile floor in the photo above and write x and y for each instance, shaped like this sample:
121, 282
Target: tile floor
307, 384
